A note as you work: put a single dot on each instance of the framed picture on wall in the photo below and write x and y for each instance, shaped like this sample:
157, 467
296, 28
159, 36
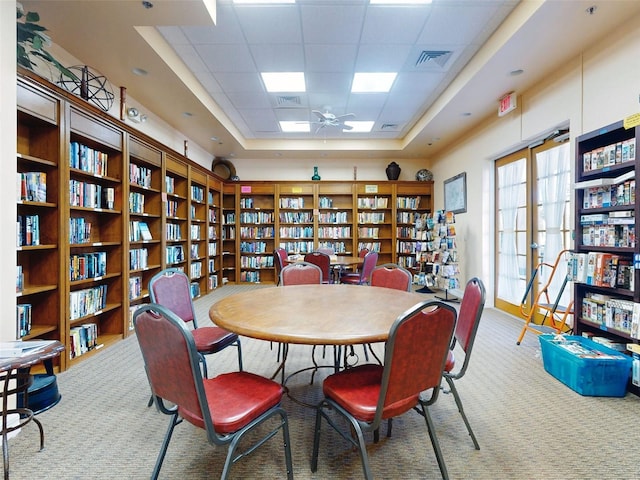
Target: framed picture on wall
455, 193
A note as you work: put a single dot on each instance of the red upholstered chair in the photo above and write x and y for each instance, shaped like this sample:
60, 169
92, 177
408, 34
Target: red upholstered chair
299, 273
280, 257
171, 289
328, 250
471, 307
365, 395
391, 275
362, 277
226, 407
323, 261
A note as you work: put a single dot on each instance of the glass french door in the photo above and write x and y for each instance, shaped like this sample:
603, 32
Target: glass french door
533, 220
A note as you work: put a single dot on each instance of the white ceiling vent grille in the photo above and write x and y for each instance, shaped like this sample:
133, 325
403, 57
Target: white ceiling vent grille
288, 101
389, 126
432, 58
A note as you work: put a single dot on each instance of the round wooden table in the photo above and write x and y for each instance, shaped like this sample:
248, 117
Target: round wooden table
314, 314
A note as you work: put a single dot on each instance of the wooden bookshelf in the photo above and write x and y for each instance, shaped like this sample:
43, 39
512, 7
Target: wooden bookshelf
374, 204
602, 157
336, 217
176, 214
214, 235
144, 221
197, 232
230, 233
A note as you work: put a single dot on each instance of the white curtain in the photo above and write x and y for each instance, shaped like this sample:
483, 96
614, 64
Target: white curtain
511, 178
554, 183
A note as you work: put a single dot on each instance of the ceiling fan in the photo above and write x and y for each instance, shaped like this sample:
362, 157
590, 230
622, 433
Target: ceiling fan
328, 119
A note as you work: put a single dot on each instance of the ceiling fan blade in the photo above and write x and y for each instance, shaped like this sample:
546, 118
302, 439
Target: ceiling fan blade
346, 115
320, 115
347, 127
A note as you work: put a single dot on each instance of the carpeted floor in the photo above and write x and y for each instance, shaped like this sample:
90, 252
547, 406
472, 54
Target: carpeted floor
529, 425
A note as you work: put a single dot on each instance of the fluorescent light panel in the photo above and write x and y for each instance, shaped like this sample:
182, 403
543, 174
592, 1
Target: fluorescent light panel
372, 82
279, 82
399, 2
288, 127
359, 126
264, 1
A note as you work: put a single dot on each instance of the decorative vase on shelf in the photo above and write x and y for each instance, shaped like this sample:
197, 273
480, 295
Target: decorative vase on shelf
393, 171
315, 174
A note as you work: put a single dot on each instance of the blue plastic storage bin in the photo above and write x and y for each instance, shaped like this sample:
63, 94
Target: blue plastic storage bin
589, 375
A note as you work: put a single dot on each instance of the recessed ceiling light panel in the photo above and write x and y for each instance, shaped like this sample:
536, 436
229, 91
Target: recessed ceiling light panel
372, 82
279, 82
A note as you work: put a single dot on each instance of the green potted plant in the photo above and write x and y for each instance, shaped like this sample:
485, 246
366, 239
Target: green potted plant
32, 42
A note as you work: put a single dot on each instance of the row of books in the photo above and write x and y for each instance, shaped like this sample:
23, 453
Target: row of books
174, 254
79, 230
256, 217
212, 249
28, 230
368, 232
257, 232
213, 235
171, 208
213, 282
610, 195
622, 217
229, 218
19, 278
609, 235
371, 246
407, 217
174, 232
250, 276
170, 184
258, 261
338, 247
32, 186
194, 231
614, 154
370, 217
135, 287
139, 231
23, 319
333, 217
297, 247
601, 269
408, 202
295, 217
229, 233
373, 202
334, 232
195, 270
138, 258
246, 202
136, 202
292, 202
197, 193
616, 313
83, 339
88, 301
139, 175
87, 159
87, 265
248, 247
212, 265
90, 195
213, 216
195, 250
325, 202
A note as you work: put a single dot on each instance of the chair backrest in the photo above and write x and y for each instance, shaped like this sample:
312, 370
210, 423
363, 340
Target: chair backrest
328, 250
391, 275
415, 356
171, 360
301, 273
279, 260
363, 252
471, 307
368, 264
323, 261
171, 288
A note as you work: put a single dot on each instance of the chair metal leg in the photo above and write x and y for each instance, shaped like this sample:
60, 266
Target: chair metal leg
175, 420
434, 440
453, 390
239, 345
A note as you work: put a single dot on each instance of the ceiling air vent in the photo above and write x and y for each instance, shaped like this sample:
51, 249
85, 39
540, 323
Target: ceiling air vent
433, 58
288, 101
389, 126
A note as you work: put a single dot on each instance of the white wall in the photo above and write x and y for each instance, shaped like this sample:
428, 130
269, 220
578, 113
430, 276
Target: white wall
8, 148
598, 88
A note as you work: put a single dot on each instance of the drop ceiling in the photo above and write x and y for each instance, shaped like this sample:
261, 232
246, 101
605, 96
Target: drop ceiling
454, 60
